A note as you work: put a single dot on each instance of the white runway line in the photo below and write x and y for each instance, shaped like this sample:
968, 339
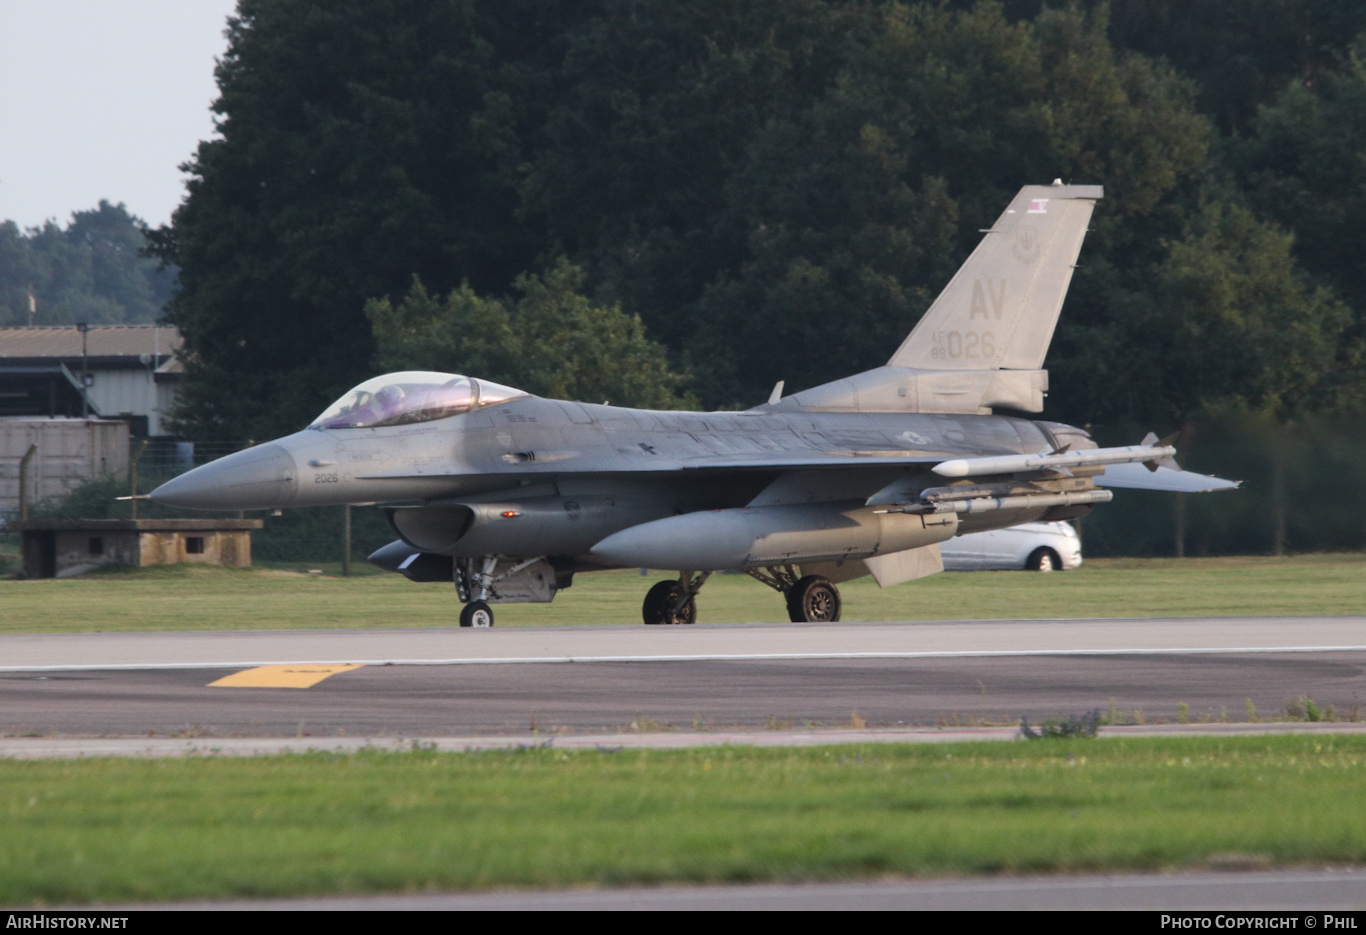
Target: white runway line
700, 657
705, 643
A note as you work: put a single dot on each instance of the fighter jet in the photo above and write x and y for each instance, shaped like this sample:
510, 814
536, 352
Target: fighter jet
509, 495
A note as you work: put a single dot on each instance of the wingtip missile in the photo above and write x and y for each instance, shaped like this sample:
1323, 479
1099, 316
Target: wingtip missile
1022, 464
1169, 441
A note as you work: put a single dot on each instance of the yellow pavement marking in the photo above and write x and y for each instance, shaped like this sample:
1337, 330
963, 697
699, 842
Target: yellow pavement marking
295, 676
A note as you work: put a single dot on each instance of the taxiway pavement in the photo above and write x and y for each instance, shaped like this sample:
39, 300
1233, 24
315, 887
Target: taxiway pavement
72, 651
657, 681
1340, 890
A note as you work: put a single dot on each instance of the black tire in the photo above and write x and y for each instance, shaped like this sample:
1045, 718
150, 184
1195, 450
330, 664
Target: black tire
813, 599
1043, 559
476, 614
659, 601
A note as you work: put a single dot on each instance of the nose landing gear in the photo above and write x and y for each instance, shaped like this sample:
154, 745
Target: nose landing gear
474, 583
674, 602
476, 614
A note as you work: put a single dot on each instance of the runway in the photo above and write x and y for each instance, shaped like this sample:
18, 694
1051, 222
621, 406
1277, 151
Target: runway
611, 688
624, 681
715, 642
1339, 889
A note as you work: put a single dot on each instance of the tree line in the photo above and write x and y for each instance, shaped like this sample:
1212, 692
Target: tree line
680, 204
94, 270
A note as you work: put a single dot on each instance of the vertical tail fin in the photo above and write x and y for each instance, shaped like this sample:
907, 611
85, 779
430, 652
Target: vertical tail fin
999, 310
981, 345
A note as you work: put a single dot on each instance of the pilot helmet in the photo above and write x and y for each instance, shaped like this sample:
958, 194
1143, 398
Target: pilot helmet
391, 395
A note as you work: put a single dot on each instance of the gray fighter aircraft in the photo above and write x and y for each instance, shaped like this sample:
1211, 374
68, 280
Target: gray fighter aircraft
509, 495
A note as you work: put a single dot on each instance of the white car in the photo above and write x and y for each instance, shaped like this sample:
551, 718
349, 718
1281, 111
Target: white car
1032, 546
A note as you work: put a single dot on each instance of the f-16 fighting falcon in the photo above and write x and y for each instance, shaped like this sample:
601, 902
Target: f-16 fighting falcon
510, 495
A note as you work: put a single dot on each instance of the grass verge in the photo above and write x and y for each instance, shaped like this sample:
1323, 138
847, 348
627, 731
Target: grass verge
116, 830
195, 597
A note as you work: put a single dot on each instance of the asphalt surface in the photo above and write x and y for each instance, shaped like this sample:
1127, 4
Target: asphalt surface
613, 687
779, 678
1303, 891
537, 698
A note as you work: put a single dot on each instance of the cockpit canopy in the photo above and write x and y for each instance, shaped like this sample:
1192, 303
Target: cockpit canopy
411, 396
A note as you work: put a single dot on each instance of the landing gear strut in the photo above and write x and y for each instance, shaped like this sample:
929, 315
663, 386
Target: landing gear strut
476, 580
811, 599
474, 584
674, 602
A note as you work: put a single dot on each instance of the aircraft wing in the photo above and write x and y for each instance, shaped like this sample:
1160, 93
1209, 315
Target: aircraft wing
1145, 466
1135, 474
796, 461
850, 476
816, 462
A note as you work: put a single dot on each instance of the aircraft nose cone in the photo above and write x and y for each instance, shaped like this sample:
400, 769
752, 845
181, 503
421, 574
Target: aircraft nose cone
260, 478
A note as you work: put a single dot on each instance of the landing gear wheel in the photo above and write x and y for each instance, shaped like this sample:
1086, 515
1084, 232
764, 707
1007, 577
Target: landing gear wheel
1043, 560
659, 603
813, 599
476, 614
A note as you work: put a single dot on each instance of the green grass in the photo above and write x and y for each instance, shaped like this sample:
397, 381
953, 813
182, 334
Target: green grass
124, 830
192, 597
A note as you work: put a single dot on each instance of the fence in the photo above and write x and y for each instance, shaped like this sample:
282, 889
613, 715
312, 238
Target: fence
1304, 490
313, 534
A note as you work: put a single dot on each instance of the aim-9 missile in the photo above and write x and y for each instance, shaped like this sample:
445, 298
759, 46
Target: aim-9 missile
1031, 501
1149, 454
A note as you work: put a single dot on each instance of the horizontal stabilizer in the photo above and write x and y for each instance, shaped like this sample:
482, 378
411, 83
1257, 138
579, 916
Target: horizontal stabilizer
1139, 477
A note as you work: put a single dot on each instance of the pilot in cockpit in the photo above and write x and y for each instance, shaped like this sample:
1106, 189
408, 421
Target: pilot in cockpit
409, 397
388, 403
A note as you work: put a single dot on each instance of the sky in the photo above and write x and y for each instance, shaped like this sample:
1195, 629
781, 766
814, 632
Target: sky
100, 99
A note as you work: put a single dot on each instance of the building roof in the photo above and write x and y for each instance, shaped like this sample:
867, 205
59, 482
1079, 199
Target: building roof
141, 525
105, 341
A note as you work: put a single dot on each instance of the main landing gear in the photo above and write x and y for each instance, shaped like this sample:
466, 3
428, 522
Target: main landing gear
810, 599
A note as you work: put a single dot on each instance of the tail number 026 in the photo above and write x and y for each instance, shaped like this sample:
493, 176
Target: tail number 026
963, 345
